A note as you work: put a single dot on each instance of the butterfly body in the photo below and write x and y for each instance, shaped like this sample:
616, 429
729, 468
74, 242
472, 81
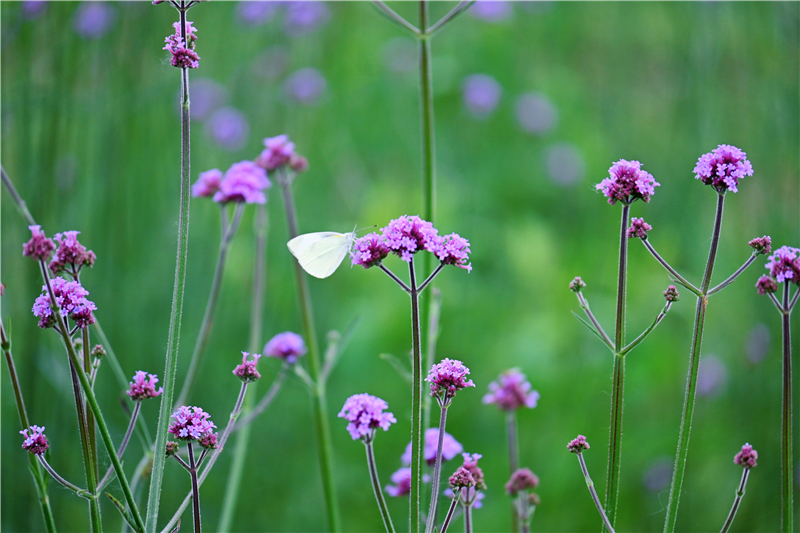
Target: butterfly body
321, 253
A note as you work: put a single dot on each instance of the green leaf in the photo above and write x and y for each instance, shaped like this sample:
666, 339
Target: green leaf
398, 365
591, 328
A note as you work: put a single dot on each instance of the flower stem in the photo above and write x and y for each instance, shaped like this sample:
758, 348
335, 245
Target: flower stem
735, 275
678, 278
787, 479
74, 488
739, 493
376, 488
593, 492
122, 447
453, 13
513, 459
451, 510
265, 401
416, 406
195, 490
437, 474
468, 519
91, 434
426, 108
691, 378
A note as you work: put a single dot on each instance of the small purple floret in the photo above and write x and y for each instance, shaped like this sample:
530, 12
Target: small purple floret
762, 245
450, 447
39, 247
521, 479
207, 184
247, 370
784, 264
244, 182
402, 483
278, 152
723, 168
71, 298
143, 386
71, 252
747, 457
369, 250
447, 378
35, 441
365, 414
408, 235
172, 448
287, 346
578, 444
638, 229
627, 183
453, 249
511, 391
191, 423
766, 285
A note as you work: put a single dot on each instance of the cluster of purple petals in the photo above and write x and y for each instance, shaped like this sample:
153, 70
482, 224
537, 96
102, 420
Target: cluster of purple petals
723, 168
454, 249
144, 386
287, 346
207, 184
243, 182
521, 479
766, 285
762, 245
511, 391
450, 447
627, 182
448, 377
209, 440
71, 299
471, 464
639, 228
784, 264
672, 294
35, 442
408, 235
247, 370
578, 444
747, 457
183, 56
71, 252
462, 478
39, 247
191, 423
369, 250
365, 414
402, 483
278, 152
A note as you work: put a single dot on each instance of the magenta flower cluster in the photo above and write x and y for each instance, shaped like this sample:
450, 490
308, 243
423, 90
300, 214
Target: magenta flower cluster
369, 250
143, 386
578, 444
243, 182
511, 391
521, 479
784, 264
462, 478
447, 378
247, 370
723, 167
766, 285
183, 55
638, 228
287, 346
192, 423
747, 457
279, 152
471, 464
71, 299
71, 252
39, 246
627, 183
450, 447
365, 414
35, 442
402, 483
762, 245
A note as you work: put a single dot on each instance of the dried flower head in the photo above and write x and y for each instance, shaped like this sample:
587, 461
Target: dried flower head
471, 464
462, 478
627, 183
71, 299
247, 370
408, 235
762, 245
639, 228
766, 285
672, 294
287, 346
39, 247
453, 249
447, 378
35, 441
278, 152
450, 447
578, 444
784, 264
402, 483
243, 182
207, 183
191, 423
576, 284
71, 252
511, 391
144, 386
723, 167
521, 479
365, 414
747, 457
369, 250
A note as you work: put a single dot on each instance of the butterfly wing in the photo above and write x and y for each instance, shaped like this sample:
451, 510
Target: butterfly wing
321, 253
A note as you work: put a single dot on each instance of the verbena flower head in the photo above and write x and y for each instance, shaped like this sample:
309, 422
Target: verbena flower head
35, 441
462, 478
287, 346
209, 440
402, 483
365, 414
71, 298
172, 448
766, 285
183, 55
723, 168
408, 235
450, 447
454, 249
747, 457
369, 250
247, 370
298, 163
672, 294
207, 183
471, 464
243, 182
278, 152
191, 423
143, 386
762, 245
627, 183
576, 285
784, 264
39, 247
521, 479
71, 252
511, 391
639, 228
447, 378
578, 444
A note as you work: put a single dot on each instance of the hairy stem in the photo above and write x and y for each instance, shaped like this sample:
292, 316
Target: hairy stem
513, 459
595, 498
91, 438
736, 501
451, 510
787, 479
376, 488
74, 488
426, 109
416, 406
195, 490
437, 474
122, 447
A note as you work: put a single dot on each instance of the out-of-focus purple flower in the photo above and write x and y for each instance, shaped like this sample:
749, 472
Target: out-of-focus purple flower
32, 9
408, 235
287, 346
447, 378
402, 483
712, 376
766, 285
578, 444
564, 163
278, 152
450, 447
209, 440
400, 54
784, 264
228, 127
71, 299
511, 391
536, 114
762, 245
658, 475
747, 457
71, 252
672, 294
272, 63
521, 479
481, 95
627, 183
365, 414
462, 478
207, 184
306, 86
758, 343
638, 229
247, 370
577, 284
491, 10
454, 249
471, 464
369, 250
35, 442
93, 19
207, 97
723, 167
191, 423
306, 16
256, 13
243, 182
39, 246
298, 163
143, 386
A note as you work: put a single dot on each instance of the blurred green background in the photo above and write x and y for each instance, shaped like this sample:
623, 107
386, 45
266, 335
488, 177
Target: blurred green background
90, 135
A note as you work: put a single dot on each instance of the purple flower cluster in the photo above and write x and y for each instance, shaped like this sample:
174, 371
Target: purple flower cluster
638, 229
784, 264
627, 183
462, 478
144, 386
369, 250
247, 370
521, 479
762, 245
454, 250
71, 299
39, 247
280, 152
450, 447
511, 391
447, 378
747, 457
365, 414
192, 423
402, 483
183, 55
243, 182
287, 346
672, 294
71, 252
471, 464
766, 285
723, 168
207, 184
35, 441
578, 444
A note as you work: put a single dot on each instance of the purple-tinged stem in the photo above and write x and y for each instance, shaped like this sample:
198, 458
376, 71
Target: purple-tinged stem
794, 301
184, 464
430, 278
451, 510
468, 518
738, 500
677, 277
735, 275
266, 400
437, 474
376, 488
590, 484
123, 446
416, 406
635, 342
74, 488
584, 303
787, 479
513, 459
395, 278
195, 490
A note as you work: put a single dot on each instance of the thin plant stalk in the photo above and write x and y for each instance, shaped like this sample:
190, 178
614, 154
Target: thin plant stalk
736, 501
176, 313
468, 518
427, 121
416, 405
437, 473
434, 312
266, 401
593, 492
376, 488
513, 459
787, 479
195, 490
91, 440
691, 379
122, 447
66, 484
451, 510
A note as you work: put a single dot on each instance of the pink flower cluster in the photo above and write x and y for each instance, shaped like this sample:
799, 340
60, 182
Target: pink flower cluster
627, 183
762, 245
279, 152
243, 182
402, 483
578, 444
183, 56
784, 264
287, 346
143, 386
447, 378
521, 479
747, 457
511, 391
638, 228
192, 423
766, 285
35, 442
247, 370
723, 167
365, 414
71, 252
450, 447
462, 478
39, 246
471, 464
71, 299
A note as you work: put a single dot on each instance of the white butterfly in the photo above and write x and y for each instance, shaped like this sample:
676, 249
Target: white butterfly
321, 253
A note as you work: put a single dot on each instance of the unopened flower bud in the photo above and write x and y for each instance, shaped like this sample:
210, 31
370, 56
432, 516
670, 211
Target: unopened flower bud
671, 294
576, 284
747, 457
639, 229
298, 163
39, 247
98, 351
578, 444
762, 245
521, 479
533, 499
766, 285
462, 478
172, 448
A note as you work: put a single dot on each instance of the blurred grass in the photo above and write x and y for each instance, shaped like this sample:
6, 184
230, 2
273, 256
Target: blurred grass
90, 136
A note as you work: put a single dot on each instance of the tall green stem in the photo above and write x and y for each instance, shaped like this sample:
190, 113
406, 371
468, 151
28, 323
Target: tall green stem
437, 474
787, 479
176, 313
513, 459
691, 379
416, 405
736, 501
426, 108
91, 444
593, 492
376, 488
